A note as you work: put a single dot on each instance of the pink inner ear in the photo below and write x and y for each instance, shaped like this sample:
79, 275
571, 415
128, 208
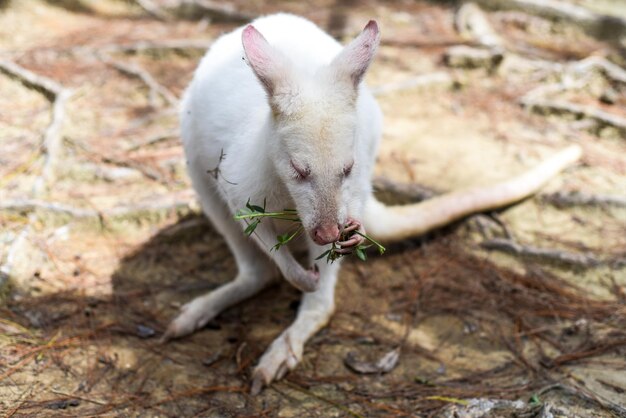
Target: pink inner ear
356, 57
260, 57
254, 44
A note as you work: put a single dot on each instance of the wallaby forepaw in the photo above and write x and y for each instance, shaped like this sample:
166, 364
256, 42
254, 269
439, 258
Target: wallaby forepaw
282, 356
349, 239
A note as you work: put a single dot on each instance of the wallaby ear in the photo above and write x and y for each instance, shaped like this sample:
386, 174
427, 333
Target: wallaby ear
267, 63
355, 58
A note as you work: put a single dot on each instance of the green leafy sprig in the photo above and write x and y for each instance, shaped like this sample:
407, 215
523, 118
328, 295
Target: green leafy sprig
253, 214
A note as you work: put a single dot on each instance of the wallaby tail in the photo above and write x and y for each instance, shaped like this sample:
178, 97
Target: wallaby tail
393, 223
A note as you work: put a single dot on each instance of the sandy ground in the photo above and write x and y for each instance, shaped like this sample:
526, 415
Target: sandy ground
91, 292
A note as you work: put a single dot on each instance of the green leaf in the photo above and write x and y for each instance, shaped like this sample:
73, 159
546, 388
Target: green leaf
534, 400
360, 253
255, 208
251, 227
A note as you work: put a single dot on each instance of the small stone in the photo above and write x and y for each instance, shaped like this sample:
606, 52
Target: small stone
209, 361
145, 332
63, 404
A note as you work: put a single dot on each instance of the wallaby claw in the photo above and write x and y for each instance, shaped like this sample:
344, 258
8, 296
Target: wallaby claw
281, 357
258, 382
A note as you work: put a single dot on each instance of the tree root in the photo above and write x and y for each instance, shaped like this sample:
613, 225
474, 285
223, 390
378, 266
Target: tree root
575, 76
544, 254
135, 71
565, 199
579, 111
58, 96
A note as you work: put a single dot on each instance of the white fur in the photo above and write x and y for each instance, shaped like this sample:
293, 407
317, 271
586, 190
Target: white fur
321, 120
298, 99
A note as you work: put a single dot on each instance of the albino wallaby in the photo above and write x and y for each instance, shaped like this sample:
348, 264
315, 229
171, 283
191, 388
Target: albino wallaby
286, 119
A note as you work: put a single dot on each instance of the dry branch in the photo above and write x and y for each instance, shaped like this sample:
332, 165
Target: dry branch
565, 199
58, 96
154, 87
421, 81
546, 254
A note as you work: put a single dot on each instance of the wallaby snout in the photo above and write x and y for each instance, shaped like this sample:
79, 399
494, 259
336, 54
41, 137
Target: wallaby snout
325, 233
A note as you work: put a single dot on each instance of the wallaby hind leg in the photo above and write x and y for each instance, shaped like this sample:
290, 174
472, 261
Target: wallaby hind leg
256, 271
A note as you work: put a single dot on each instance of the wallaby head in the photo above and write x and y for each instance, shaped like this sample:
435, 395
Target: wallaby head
314, 127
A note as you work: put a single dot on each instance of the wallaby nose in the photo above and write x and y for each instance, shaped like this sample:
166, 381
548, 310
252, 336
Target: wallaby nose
325, 234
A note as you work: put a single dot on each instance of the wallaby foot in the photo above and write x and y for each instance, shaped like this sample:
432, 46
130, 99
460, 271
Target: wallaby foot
283, 355
285, 352
195, 314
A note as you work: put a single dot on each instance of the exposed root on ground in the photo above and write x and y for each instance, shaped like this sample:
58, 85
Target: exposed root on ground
58, 97
154, 87
567, 199
544, 254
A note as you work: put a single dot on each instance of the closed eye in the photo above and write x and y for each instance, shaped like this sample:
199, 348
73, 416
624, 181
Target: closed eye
299, 172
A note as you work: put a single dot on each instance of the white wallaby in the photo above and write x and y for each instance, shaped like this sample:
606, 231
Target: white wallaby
277, 112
